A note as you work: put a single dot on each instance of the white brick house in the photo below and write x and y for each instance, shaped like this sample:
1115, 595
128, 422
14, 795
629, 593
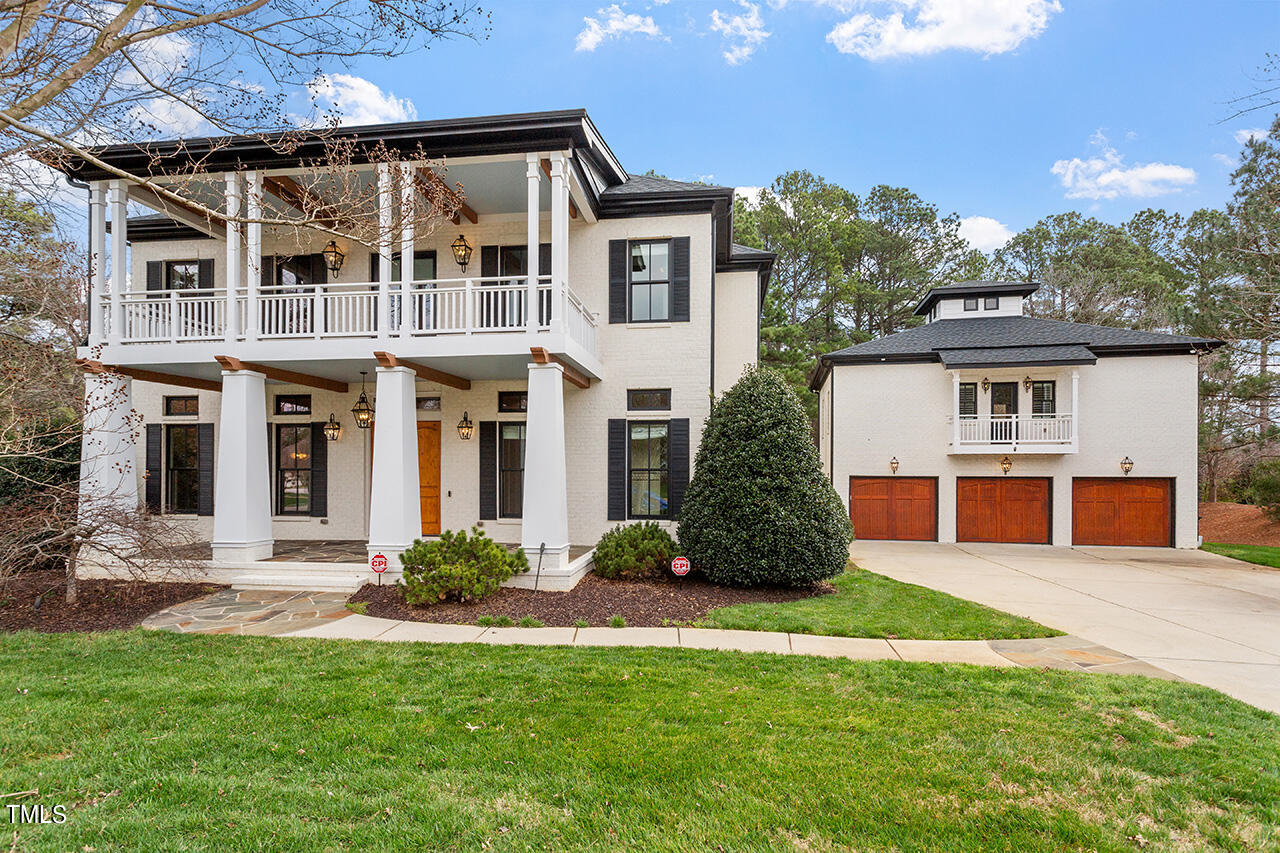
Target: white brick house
237, 345
985, 425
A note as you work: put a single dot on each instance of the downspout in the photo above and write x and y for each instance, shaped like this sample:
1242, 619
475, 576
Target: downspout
831, 429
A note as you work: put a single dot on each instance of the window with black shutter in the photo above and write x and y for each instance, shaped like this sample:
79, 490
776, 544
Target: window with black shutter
293, 469
649, 292
648, 476
968, 399
1044, 397
511, 470
182, 466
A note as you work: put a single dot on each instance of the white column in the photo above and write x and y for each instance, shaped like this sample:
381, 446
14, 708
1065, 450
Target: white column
385, 197
407, 190
546, 493
108, 459
253, 280
235, 259
242, 482
1075, 409
119, 284
97, 262
533, 174
395, 508
955, 411
559, 240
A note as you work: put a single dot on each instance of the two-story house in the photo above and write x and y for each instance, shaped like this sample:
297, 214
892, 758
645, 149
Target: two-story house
986, 425
296, 387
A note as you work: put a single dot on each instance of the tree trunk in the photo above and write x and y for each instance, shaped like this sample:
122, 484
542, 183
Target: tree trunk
72, 558
1264, 401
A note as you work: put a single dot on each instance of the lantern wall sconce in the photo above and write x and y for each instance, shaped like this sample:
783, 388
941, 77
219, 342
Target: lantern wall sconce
1006, 465
362, 411
1126, 465
332, 429
461, 252
333, 257
1026, 385
893, 464
986, 384
465, 427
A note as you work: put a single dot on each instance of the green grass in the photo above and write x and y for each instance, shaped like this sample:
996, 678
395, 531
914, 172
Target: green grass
866, 604
166, 742
1263, 555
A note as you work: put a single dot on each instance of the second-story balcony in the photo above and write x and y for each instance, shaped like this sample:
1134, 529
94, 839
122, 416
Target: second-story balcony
1028, 409
1043, 433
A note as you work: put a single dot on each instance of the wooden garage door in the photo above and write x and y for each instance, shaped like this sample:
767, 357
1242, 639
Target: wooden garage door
1002, 509
894, 507
1121, 511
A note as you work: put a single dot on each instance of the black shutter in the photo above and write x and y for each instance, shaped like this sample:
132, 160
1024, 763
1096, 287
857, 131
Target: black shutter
319, 272
968, 398
617, 469
375, 266
677, 461
319, 471
488, 470
204, 273
154, 473
204, 469
268, 271
617, 281
489, 262
155, 275
544, 259
680, 280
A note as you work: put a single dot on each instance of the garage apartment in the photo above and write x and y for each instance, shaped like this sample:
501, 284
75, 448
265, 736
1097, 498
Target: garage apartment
1104, 510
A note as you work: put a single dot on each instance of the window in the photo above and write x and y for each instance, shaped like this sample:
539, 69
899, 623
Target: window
182, 483
293, 404
428, 404
511, 470
991, 303
968, 399
513, 401
1044, 397
650, 282
971, 303
182, 275
647, 460
293, 469
292, 273
182, 405
649, 399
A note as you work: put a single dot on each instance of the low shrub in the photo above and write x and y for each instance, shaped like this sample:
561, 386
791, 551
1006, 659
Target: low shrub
457, 567
635, 551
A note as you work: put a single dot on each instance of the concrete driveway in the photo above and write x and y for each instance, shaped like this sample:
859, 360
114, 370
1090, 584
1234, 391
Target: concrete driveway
1202, 617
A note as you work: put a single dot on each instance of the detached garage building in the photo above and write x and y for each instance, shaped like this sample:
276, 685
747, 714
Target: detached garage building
986, 425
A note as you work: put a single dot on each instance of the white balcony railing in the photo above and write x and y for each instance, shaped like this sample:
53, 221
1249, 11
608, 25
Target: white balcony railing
437, 307
1056, 431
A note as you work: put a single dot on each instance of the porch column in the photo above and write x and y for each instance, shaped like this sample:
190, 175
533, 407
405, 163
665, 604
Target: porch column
395, 508
533, 172
119, 284
253, 281
1075, 409
242, 481
108, 459
235, 259
559, 240
955, 410
385, 198
97, 263
546, 493
407, 190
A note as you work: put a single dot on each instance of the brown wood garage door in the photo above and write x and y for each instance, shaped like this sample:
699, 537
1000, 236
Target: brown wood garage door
1002, 509
1121, 511
894, 507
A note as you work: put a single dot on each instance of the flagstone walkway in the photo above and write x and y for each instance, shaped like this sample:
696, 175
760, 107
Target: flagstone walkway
324, 614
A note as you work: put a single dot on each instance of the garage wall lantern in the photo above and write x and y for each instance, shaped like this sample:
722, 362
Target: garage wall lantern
893, 464
1026, 385
986, 384
332, 429
465, 427
1006, 464
362, 411
1126, 465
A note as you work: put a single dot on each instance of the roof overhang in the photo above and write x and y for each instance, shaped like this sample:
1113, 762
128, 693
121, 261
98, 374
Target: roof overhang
1026, 356
975, 288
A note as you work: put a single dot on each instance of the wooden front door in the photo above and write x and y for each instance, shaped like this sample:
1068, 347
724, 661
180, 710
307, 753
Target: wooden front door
1004, 410
429, 475
1002, 509
1121, 511
894, 507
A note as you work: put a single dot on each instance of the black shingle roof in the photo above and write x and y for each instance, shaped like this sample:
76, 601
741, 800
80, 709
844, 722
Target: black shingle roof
644, 184
993, 356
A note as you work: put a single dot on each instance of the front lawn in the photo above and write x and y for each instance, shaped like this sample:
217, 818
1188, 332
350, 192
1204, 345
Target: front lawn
164, 741
866, 604
1263, 555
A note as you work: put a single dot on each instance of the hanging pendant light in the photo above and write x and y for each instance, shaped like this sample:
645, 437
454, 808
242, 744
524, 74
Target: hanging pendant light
362, 411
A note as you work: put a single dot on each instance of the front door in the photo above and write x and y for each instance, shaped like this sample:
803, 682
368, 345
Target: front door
429, 475
1004, 410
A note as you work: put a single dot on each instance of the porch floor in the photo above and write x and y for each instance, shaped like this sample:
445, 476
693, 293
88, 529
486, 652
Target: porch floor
336, 551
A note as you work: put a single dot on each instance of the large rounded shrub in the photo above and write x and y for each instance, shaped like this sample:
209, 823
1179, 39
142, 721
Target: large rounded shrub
759, 510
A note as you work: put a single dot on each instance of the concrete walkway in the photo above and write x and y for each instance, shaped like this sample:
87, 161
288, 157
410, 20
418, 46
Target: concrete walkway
266, 613
1200, 616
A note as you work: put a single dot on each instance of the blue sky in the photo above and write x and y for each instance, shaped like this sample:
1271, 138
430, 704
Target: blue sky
1006, 109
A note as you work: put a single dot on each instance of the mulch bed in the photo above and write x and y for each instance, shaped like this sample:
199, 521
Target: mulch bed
641, 603
1237, 524
101, 605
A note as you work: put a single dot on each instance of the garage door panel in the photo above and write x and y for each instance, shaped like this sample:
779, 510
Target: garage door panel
894, 507
1119, 511
1002, 509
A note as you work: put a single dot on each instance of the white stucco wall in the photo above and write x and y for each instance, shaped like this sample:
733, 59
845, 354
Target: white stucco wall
737, 326
1141, 407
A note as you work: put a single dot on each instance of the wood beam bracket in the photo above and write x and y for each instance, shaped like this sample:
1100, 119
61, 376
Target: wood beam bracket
281, 375
143, 375
424, 179
571, 374
386, 359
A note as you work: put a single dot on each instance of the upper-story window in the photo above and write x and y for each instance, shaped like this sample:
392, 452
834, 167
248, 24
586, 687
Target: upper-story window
184, 405
1044, 397
649, 287
968, 399
991, 303
182, 275
293, 404
971, 303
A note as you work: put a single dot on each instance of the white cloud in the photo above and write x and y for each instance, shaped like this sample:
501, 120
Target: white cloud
984, 233
1226, 160
1244, 134
921, 27
751, 195
358, 101
1108, 176
172, 118
614, 23
743, 33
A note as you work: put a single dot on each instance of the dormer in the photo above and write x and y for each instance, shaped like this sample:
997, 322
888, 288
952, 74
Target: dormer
969, 299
